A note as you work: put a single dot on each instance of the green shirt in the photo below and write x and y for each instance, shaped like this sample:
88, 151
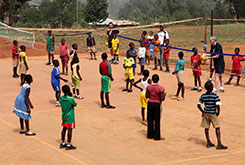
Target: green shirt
50, 43
180, 66
67, 105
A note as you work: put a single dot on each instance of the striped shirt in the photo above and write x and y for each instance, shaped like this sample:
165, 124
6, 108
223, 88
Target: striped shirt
210, 100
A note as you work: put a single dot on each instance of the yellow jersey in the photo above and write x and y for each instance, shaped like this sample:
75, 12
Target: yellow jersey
115, 43
22, 57
128, 62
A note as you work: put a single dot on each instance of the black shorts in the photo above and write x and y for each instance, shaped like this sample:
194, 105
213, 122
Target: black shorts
219, 68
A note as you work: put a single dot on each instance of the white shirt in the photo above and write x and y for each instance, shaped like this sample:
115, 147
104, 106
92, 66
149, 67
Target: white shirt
141, 52
161, 35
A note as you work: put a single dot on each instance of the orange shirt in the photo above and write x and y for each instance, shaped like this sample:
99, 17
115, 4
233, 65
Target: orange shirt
156, 48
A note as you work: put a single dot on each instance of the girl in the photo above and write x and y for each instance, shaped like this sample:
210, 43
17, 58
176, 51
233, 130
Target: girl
23, 64
23, 106
64, 51
145, 81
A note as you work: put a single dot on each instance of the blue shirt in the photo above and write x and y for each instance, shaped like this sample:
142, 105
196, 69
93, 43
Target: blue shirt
134, 52
180, 66
210, 100
54, 79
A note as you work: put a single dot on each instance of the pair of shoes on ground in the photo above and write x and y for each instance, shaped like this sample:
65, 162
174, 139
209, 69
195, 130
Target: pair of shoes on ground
177, 98
107, 106
67, 146
57, 104
196, 89
219, 147
228, 83
78, 96
221, 89
16, 75
127, 90
28, 133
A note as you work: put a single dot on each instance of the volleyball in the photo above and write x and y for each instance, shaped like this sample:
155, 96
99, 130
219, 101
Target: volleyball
106, 43
203, 56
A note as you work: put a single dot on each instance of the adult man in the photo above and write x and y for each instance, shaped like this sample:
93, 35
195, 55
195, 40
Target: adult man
162, 36
219, 63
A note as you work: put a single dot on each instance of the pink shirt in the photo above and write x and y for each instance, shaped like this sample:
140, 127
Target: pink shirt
155, 91
63, 50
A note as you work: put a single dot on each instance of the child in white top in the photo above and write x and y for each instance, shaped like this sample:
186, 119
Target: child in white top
141, 53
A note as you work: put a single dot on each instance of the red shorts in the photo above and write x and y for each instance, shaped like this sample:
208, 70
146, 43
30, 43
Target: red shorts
68, 125
197, 73
166, 56
236, 71
64, 60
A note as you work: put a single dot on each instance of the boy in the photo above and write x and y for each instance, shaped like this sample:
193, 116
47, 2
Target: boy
50, 47
15, 57
115, 48
196, 68
166, 55
128, 63
236, 67
68, 117
76, 78
156, 95
73, 54
156, 52
23, 64
179, 71
142, 52
106, 78
55, 81
132, 52
210, 114
91, 46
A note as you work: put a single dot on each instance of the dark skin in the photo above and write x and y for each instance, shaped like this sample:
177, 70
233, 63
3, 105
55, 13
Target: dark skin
196, 79
167, 51
128, 81
51, 56
63, 66
22, 77
156, 60
57, 93
162, 95
78, 73
15, 68
181, 86
92, 53
132, 55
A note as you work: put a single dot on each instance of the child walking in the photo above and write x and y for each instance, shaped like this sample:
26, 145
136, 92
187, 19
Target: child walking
156, 52
145, 81
115, 48
91, 46
23, 106
166, 55
23, 64
179, 72
15, 58
142, 52
68, 117
210, 114
55, 81
64, 51
76, 78
236, 67
106, 78
128, 63
196, 68
133, 53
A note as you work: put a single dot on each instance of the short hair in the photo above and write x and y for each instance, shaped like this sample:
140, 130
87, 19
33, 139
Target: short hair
209, 86
49, 31
55, 62
130, 44
194, 50
156, 36
15, 42
146, 73
62, 39
181, 54
155, 78
104, 56
144, 32
162, 26
110, 23
237, 49
22, 47
74, 45
66, 89
213, 38
28, 78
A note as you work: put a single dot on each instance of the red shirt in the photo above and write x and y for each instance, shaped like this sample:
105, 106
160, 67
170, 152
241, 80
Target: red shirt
105, 68
155, 91
15, 53
63, 50
237, 62
166, 50
147, 46
196, 60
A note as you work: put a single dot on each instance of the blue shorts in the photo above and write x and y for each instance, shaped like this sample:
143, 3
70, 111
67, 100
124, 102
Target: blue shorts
56, 87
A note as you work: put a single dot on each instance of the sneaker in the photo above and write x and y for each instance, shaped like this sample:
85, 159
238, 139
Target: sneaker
75, 96
15, 76
130, 90
174, 97
48, 63
167, 71
221, 89
215, 90
30, 133
227, 83
180, 98
208, 145
95, 58
199, 89
63, 145
236, 84
194, 89
79, 97
125, 90
57, 104
70, 147
110, 107
103, 105
221, 147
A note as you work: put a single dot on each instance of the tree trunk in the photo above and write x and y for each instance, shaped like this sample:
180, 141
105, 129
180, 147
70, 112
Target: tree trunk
232, 9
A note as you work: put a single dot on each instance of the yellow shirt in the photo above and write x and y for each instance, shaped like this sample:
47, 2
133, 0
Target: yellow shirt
22, 57
115, 43
128, 62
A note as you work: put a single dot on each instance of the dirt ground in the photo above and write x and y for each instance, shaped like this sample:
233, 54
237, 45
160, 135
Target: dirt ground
116, 136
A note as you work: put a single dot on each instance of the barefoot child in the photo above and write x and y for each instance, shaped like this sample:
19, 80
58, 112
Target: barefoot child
142, 52
166, 55
23, 106
68, 117
50, 47
23, 64
210, 114
64, 51
91, 46
76, 78
145, 81
55, 81
195, 64
179, 71
15, 57
236, 67
106, 78
128, 63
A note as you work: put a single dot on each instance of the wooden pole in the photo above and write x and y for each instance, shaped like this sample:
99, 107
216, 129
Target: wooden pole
211, 61
205, 34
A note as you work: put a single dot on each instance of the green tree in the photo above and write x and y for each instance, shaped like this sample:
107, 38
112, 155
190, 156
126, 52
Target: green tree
96, 10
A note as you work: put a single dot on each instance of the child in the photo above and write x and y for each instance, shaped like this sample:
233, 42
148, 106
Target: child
143, 34
23, 64
195, 64
73, 54
55, 81
145, 81
149, 48
128, 63
132, 52
76, 78
64, 51
106, 78
166, 55
179, 71
210, 114
50, 47
115, 48
15, 57
156, 52
23, 106
156, 95
68, 117
236, 67
142, 52
91, 46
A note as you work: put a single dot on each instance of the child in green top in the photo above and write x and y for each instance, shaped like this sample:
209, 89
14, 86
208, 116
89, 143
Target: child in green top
68, 117
179, 71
